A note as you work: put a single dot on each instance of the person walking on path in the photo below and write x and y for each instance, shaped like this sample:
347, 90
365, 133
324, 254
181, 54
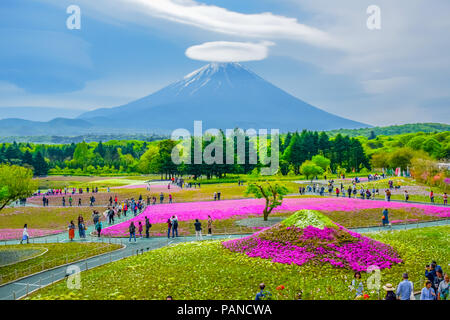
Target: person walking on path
148, 225
432, 196
209, 225
70, 201
98, 227
385, 218
390, 294
25, 235
79, 202
445, 197
218, 196
71, 230
132, 230
63, 201
405, 289
406, 196
198, 229
174, 220
161, 198
427, 292
140, 229
95, 217
81, 227
169, 227
170, 198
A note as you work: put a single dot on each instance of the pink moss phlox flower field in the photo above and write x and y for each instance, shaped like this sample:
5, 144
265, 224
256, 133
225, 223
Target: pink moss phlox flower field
158, 188
226, 209
7, 234
338, 246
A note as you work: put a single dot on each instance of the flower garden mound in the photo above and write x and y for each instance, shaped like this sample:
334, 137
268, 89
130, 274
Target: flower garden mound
310, 237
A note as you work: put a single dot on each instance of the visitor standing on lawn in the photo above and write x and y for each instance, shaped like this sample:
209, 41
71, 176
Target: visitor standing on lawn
198, 229
443, 290
437, 280
445, 197
428, 292
25, 235
432, 196
262, 294
71, 230
405, 289
390, 294
357, 285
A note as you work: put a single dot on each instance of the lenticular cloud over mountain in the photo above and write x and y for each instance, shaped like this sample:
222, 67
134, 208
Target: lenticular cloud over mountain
225, 51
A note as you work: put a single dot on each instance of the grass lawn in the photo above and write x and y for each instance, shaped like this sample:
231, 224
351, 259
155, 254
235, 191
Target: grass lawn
205, 270
57, 254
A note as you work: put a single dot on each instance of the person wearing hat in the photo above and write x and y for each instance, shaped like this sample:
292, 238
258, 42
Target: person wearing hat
390, 294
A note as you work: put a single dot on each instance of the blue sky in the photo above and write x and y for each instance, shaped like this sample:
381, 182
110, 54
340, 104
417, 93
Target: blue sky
316, 50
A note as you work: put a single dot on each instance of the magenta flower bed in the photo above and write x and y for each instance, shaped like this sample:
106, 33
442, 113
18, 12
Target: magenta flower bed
226, 209
153, 187
358, 255
8, 234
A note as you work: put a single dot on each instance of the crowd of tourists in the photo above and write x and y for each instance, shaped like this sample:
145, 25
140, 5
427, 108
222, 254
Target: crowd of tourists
356, 190
435, 287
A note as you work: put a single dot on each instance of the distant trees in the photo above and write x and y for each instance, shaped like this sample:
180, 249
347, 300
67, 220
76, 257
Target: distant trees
309, 169
15, 183
339, 153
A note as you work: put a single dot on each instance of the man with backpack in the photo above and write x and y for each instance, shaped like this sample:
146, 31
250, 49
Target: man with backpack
148, 225
132, 229
174, 221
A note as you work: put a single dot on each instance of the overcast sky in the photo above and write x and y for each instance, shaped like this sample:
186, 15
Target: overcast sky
320, 51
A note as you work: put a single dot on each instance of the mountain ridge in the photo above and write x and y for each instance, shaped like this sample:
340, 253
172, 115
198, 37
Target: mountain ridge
222, 95
203, 94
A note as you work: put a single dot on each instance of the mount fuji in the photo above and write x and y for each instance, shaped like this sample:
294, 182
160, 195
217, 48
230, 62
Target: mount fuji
223, 96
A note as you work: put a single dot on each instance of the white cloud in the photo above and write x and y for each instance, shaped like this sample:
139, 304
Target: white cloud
226, 51
212, 18
10, 88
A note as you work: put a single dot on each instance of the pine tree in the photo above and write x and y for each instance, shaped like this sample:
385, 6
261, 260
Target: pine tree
40, 165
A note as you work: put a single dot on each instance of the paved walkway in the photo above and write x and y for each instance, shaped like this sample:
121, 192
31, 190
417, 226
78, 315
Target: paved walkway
19, 288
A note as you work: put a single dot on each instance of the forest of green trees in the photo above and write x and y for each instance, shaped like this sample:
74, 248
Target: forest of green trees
345, 154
